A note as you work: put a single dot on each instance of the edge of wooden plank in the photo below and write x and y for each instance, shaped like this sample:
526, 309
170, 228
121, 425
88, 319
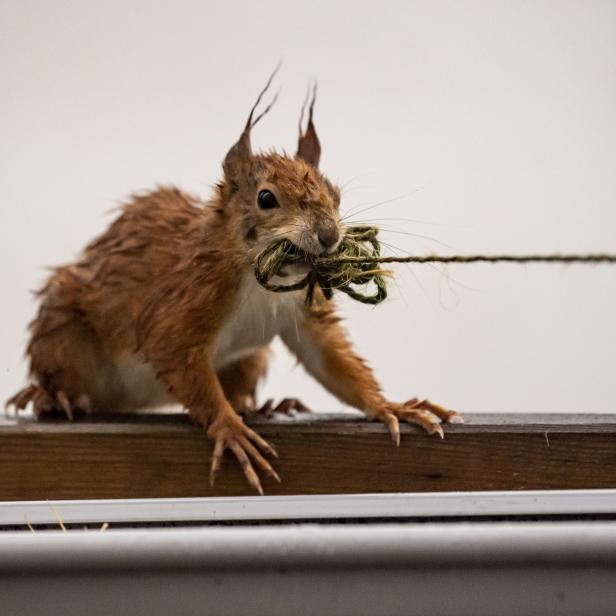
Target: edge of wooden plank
341, 423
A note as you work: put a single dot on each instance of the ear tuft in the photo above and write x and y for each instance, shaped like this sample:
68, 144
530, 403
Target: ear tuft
308, 146
241, 152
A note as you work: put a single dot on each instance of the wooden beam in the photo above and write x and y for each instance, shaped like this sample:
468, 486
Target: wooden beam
165, 456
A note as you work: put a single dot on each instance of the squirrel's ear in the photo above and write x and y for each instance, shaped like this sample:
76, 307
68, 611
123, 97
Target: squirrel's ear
308, 146
241, 152
238, 155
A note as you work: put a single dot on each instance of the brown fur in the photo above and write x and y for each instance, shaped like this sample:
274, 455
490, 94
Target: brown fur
150, 311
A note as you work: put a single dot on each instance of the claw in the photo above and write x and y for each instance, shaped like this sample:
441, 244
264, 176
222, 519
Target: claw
266, 409
263, 444
219, 448
64, 402
285, 406
394, 429
41, 402
246, 445
421, 412
442, 413
244, 460
20, 400
260, 460
291, 404
422, 418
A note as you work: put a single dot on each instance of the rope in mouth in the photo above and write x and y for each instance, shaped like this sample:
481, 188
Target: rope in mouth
356, 265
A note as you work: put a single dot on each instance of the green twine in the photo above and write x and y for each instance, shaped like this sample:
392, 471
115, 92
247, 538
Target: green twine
329, 273
357, 260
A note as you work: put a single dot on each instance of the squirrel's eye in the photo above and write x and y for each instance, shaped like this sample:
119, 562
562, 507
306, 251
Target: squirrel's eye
266, 200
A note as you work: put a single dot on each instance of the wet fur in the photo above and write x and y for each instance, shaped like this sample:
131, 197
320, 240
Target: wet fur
164, 307
171, 277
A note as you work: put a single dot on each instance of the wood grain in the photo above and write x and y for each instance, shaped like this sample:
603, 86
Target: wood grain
166, 456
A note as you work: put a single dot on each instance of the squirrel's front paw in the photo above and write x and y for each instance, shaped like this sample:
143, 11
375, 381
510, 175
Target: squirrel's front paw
231, 432
421, 412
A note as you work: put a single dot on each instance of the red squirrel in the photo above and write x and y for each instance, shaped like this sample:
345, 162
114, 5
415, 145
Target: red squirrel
164, 307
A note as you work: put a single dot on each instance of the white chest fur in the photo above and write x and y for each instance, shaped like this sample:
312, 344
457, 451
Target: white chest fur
257, 317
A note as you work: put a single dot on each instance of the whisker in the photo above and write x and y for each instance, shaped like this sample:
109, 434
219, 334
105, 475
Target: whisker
346, 191
422, 237
408, 267
357, 177
410, 220
352, 210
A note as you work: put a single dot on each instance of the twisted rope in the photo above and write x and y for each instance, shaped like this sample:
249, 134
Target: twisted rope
357, 264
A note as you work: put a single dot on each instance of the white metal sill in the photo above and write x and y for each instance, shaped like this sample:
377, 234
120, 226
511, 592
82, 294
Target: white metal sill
339, 507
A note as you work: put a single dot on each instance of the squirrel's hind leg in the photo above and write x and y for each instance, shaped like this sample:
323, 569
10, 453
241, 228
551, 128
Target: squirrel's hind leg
64, 362
239, 380
44, 402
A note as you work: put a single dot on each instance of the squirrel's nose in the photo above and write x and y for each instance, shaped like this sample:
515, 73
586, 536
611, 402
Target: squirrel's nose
328, 236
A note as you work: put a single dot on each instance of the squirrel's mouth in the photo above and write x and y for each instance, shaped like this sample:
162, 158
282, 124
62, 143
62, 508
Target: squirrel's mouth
299, 263
301, 268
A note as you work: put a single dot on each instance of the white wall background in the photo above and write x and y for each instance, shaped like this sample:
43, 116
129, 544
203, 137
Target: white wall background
494, 120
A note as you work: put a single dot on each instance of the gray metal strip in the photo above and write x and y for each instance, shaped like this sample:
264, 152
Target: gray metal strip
311, 545
470, 569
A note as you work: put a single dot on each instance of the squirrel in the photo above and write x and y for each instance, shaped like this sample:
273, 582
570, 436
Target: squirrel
164, 307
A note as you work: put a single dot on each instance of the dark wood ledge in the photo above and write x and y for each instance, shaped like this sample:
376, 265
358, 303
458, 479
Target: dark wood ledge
166, 456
